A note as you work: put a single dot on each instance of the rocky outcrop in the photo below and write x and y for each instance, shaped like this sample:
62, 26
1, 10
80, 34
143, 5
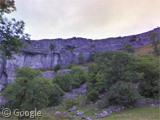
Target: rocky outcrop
38, 54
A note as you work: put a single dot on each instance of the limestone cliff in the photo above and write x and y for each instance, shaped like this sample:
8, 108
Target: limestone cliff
38, 54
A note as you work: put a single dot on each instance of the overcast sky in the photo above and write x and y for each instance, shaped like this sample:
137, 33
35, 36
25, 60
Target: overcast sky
87, 18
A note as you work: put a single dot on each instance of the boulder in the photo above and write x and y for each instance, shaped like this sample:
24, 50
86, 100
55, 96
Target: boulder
72, 109
79, 113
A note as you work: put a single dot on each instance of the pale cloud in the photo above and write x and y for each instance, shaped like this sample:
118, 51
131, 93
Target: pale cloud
87, 18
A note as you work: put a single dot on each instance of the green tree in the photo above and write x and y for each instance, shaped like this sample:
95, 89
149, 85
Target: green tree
92, 96
63, 81
11, 32
52, 46
128, 48
78, 77
30, 91
91, 56
122, 93
99, 85
111, 68
57, 67
80, 58
7, 6
149, 86
155, 42
120, 67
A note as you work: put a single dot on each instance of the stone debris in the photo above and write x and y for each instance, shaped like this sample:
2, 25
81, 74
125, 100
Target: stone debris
86, 118
72, 109
109, 111
79, 113
76, 92
57, 112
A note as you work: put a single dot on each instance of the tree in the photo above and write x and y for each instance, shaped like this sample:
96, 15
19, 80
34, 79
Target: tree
149, 86
80, 58
7, 6
62, 81
155, 42
52, 46
91, 57
120, 67
128, 48
78, 77
122, 93
111, 70
57, 67
11, 32
30, 90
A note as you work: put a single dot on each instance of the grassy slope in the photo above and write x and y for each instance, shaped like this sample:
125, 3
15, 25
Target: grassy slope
137, 113
147, 49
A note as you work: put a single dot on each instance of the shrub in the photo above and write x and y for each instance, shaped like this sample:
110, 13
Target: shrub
133, 38
52, 46
128, 48
30, 90
80, 58
69, 103
78, 77
120, 67
122, 93
57, 67
62, 81
91, 57
99, 85
92, 96
155, 42
148, 65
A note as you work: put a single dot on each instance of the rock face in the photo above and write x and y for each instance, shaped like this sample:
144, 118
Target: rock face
38, 54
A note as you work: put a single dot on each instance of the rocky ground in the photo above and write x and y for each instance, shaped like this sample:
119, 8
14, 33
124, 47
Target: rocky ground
75, 112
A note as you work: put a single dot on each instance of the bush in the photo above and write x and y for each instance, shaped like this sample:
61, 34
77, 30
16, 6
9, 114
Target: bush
52, 46
122, 93
91, 57
80, 58
62, 81
57, 67
92, 96
78, 77
148, 65
120, 67
69, 103
128, 48
133, 38
30, 91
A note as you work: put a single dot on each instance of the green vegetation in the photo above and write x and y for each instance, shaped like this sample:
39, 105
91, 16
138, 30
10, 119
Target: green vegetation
11, 31
29, 91
71, 80
149, 67
133, 38
137, 113
156, 41
80, 58
128, 48
115, 72
57, 67
52, 46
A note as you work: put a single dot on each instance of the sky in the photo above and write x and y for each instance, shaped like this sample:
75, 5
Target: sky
96, 19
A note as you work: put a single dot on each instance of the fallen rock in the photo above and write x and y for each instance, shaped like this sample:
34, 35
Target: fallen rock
72, 109
86, 118
79, 112
57, 112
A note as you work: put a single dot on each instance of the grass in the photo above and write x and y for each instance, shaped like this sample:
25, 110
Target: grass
137, 113
146, 49
66, 66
